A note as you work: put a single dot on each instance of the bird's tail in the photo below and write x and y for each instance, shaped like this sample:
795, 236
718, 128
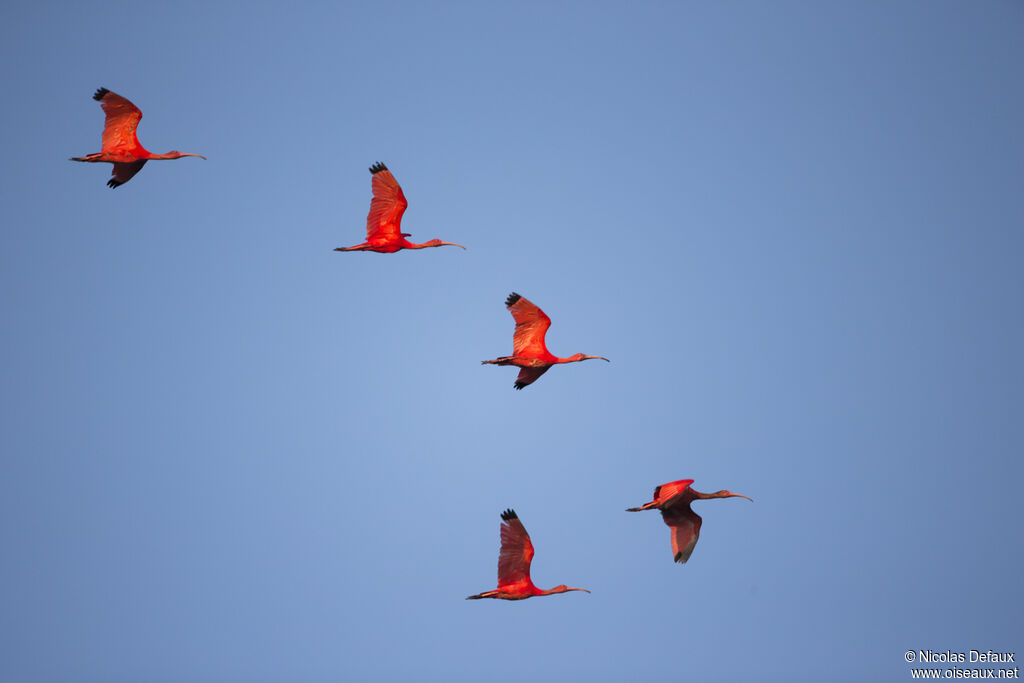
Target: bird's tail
504, 360
87, 157
646, 506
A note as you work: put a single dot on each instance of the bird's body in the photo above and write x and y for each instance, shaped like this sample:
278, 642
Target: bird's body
673, 500
514, 565
121, 145
384, 222
529, 352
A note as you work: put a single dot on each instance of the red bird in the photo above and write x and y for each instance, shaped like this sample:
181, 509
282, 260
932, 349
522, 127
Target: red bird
673, 499
120, 145
384, 222
528, 349
514, 565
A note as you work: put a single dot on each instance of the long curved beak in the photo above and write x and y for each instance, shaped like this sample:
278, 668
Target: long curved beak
452, 244
596, 358
578, 589
740, 495
186, 154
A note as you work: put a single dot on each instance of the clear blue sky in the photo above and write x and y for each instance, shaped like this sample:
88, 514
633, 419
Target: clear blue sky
232, 454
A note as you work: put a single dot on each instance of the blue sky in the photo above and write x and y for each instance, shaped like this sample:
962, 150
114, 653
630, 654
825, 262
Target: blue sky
232, 454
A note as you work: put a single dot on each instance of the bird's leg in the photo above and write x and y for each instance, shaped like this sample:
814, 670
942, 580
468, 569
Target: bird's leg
485, 594
504, 360
87, 157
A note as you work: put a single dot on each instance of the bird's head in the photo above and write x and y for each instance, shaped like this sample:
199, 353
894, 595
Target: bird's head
730, 494
581, 356
177, 155
565, 589
439, 243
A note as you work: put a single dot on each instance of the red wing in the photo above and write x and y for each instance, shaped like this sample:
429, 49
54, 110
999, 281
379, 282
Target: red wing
123, 172
531, 326
671, 492
685, 524
122, 119
669, 495
516, 551
386, 207
529, 376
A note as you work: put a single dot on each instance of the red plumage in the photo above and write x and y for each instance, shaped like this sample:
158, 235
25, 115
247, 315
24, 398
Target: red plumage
121, 146
529, 352
514, 561
673, 500
384, 222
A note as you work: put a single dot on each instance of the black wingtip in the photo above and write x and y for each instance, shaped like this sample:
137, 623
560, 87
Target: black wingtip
679, 558
100, 94
113, 183
377, 168
519, 385
512, 298
509, 515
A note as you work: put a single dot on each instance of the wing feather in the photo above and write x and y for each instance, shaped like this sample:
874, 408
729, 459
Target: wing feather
685, 526
122, 120
531, 327
516, 551
386, 207
528, 376
123, 172
674, 493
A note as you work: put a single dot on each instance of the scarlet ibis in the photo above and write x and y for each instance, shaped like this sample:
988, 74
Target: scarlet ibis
673, 499
120, 145
528, 349
384, 222
514, 564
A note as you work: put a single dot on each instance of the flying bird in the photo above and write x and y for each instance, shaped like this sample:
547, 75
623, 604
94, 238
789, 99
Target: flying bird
120, 145
384, 222
528, 349
514, 565
673, 499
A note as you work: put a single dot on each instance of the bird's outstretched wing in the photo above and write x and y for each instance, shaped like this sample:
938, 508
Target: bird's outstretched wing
386, 207
123, 172
122, 119
685, 526
531, 326
516, 551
